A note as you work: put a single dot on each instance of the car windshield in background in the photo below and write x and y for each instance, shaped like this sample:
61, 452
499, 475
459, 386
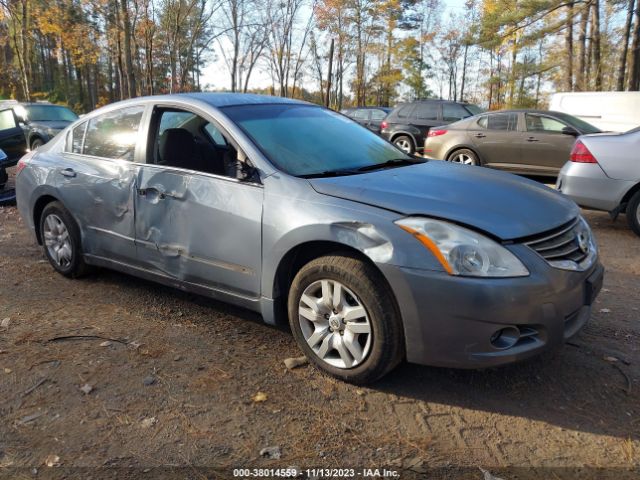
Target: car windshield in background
308, 140
49, 113
581, 125
474, 109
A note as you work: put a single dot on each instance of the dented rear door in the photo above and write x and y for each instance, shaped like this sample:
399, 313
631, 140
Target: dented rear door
200, 228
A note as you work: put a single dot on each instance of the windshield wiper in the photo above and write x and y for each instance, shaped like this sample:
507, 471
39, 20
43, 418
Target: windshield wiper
398, 162
331, 173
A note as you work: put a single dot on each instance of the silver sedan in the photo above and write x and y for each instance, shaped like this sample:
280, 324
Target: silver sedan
604, 174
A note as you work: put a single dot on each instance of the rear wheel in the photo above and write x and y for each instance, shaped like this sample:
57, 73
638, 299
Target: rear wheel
405, 143
61, 239
633, 213
344, 319
36, 142
464, 157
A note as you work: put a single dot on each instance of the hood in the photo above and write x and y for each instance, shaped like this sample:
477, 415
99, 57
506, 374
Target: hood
52, 124
501, 204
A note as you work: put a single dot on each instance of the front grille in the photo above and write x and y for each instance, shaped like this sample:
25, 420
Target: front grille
562, 243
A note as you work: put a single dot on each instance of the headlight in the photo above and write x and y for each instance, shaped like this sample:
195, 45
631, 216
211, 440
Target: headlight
462, 251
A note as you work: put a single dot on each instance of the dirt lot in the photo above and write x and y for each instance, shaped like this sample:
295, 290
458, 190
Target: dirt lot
176, 387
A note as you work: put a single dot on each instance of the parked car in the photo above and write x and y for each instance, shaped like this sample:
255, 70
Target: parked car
519, 141
608, 111
370, 117
408, 124
604, 174
12, 147
375, 255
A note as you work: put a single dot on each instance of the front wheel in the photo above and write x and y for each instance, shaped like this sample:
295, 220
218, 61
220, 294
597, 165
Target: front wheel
61, 239
464, 157
633, 213
36, 142
345, 320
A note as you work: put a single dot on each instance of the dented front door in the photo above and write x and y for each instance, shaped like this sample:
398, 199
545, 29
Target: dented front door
200, 228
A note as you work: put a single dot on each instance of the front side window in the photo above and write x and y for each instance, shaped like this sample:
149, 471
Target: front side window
499, 121
7, 120
361, 114
378, 114
49, 113
452, 112
305, 140
113, 134
541, 123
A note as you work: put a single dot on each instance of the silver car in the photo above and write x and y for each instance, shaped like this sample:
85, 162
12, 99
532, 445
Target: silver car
604, 174
297, 212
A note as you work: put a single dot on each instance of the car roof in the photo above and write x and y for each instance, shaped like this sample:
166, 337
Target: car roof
225, 99
527, 110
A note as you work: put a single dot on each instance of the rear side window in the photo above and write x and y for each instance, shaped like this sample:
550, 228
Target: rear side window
499, 121
452, 112
427, 111
361, 114
405, 112
114, 134
541, 123
378, 114
75, 139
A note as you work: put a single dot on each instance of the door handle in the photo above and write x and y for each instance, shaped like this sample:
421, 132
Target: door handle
532, 139
155, 192
68, 172
479, 135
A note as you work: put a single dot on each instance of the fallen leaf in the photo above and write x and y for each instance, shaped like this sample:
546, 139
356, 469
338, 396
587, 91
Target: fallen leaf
105, 344
605, 310
148, 422
86, 389
259, 397
611, 359
52, 461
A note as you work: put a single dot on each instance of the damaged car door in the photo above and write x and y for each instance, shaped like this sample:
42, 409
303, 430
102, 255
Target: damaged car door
196, 222
96, 174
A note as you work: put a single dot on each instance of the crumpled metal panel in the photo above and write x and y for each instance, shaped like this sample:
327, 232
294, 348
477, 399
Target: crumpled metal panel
200, 229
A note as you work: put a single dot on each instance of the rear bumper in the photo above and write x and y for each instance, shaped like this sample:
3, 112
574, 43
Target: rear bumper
589, 186
451, 321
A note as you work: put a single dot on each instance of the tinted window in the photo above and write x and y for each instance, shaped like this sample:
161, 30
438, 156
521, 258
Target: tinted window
452, 112
113, 134
49, 113
405, 111
473, 109
324, 140
540, 123
7, 120
361, 114
427, 111
215, 135
499, 121
378, 114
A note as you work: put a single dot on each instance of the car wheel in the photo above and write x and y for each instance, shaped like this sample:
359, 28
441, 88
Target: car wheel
345, 319
405, 143
36, 142
633, 213
464, 157
7, 195
4, 178
61, 239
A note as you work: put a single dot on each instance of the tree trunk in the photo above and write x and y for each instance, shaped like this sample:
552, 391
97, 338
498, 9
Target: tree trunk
328, 97
634, 72
581, 82
569, 46
128, 62
625, 46
597, 66
464, 71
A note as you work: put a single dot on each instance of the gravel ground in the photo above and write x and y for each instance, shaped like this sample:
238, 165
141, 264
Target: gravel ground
112, 371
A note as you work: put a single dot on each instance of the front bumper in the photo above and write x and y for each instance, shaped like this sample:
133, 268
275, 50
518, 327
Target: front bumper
450, 321
588, 185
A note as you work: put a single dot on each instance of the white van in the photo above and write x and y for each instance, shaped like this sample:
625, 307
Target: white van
609, 111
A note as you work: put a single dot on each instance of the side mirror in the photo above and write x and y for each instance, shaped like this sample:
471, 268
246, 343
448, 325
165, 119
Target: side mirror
570, 131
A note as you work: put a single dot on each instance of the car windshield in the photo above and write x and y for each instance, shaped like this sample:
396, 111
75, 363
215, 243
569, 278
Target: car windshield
473, 109
581, 125
306, 140
49, 113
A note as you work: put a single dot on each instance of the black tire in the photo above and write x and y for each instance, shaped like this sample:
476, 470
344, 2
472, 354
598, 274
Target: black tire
633, 213
8, 195
36, 142
404, 141
456, 157
386, 348
75, 266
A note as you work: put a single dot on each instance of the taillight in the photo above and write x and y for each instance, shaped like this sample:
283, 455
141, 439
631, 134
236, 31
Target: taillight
384, 125
581, 154
20, 166
436, 133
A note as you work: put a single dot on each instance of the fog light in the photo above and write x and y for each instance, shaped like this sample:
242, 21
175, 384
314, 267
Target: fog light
505, 338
